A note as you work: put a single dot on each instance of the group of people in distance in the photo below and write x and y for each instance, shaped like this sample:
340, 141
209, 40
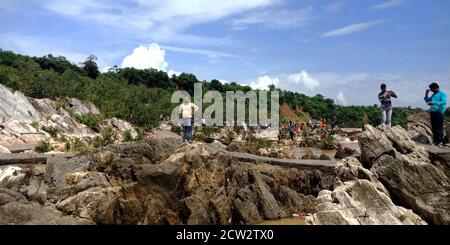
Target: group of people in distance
437, 106
437, 103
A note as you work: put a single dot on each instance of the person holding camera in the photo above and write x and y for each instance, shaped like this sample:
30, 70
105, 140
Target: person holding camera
438, 104
386, 104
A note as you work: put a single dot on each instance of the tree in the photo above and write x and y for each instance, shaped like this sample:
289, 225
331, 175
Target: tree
272, 87
216, 85
90, 67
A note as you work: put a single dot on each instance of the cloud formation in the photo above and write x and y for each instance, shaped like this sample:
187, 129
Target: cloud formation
264, 82
277, 19
160, 18
388, 4
147, 57
351, 29
303, 78
210, 53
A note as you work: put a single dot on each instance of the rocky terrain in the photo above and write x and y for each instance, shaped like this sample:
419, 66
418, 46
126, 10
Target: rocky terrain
156, 182
391, 180
29, 121
160, 181
394, 182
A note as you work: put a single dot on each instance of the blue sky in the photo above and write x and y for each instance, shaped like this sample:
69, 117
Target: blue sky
342, 49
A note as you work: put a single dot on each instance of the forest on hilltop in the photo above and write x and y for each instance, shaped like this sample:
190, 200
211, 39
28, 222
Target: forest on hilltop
141, 96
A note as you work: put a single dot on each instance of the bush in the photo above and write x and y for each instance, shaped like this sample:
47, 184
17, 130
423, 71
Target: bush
254, 144
43, 146
98, 142
127, 137
327, 143
52, 131
91, 120
109, 136
76, 145
35, 125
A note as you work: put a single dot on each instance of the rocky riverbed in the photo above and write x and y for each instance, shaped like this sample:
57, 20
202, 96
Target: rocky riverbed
160, 181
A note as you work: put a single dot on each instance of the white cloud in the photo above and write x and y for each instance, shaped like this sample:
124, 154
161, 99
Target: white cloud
172, 72
305, 79
160, 18
210, 53
264, 82
280, 19
334, 7
223, 81
351, 29
340, 99
388, 4
147, 57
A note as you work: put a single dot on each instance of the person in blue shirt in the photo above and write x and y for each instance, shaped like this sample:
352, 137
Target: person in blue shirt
438, 105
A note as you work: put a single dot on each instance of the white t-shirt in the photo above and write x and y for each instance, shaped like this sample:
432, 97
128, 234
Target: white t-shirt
187, 110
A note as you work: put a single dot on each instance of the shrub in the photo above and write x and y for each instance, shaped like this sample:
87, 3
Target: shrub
327, 142
109, 136
43, 146
91, 120
254, 144
127, 137
98, 142
35, 125
76, 145
52, 131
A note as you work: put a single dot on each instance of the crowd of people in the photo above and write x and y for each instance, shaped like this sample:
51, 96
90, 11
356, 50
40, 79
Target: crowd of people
437, 103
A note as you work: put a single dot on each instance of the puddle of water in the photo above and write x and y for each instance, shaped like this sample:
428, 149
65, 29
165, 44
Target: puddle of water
286, 221
300, 151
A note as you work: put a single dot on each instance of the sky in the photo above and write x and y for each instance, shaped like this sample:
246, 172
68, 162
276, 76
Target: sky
342, 49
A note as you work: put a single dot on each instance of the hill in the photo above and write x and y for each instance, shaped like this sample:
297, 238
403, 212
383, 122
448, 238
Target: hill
142, 96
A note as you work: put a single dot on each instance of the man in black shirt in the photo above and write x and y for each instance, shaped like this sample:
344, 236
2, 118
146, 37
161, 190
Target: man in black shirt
386, 104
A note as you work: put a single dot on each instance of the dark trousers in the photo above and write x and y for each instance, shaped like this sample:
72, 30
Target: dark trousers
437, 126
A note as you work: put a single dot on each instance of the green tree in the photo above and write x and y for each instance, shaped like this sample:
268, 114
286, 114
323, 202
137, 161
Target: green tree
90, 67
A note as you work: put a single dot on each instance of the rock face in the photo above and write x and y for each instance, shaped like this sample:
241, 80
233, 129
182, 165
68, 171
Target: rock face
396, 182
81, 108
27, 121
15, 105
359, 199
157, 182
342, 153
419, 128
15, 213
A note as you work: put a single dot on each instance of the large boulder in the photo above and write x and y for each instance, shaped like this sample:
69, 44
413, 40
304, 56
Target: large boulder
17, 213
97, 204
81, 108
373, 144
414, 178
15, 105
120, 126
359, 202
44, 106
359, 199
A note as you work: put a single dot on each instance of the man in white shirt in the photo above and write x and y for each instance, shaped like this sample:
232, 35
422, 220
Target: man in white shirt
187, 110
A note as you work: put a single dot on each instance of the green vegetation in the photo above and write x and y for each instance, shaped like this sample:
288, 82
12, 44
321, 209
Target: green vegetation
127, 137
35, 125
52, 131
90, 120
254, 144
141, 96
43, 146
76, 145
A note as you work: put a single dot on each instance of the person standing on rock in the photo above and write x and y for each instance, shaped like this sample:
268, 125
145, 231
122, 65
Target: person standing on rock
187, 110
438, 105
386, 105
